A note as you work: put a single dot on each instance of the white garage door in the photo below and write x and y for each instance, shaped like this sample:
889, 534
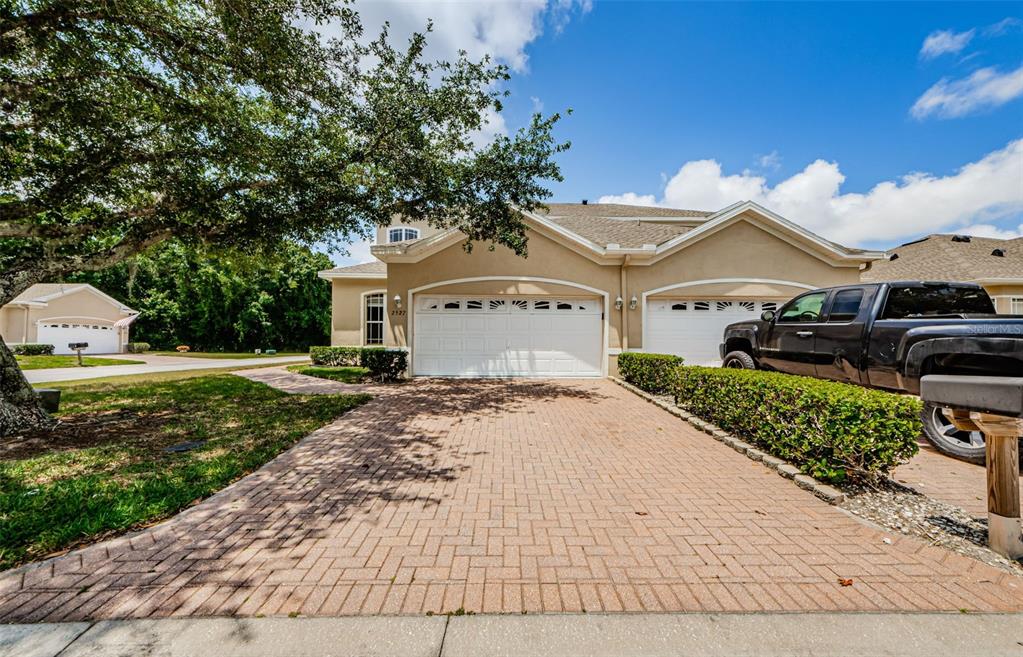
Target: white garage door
102, 339
507, 336
693, 328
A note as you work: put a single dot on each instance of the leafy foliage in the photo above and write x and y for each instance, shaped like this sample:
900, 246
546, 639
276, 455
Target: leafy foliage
137, 347
383, 364
32, 349
126, 123
344, 374
832, 431
651, 372
110, 472
223, 300
335, 356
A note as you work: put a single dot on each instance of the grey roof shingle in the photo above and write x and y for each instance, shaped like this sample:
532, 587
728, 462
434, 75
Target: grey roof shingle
375, 267
611, 223
617, 210
937, 257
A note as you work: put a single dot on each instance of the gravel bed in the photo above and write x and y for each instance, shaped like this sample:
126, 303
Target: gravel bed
903, 510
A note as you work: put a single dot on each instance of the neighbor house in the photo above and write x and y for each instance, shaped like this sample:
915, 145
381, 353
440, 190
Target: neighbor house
598, 280
63, 313
995, 264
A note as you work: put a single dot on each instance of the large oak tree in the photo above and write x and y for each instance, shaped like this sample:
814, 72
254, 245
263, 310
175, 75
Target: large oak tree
126, 122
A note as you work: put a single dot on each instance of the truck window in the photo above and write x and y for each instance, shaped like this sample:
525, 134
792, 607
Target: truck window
936, 301
846, 306
806, 308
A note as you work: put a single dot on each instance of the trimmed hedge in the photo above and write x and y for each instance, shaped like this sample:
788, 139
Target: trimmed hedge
335, 356
32, 349
384, 364
651, 372
137, 347
832, 431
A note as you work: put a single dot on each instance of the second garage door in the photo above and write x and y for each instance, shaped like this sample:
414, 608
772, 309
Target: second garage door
692, 328
102, 339
507, 336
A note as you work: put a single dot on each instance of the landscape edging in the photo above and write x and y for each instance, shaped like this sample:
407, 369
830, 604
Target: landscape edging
824, 491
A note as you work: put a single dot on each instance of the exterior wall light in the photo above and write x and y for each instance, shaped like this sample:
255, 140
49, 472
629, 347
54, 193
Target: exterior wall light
619, 302
633, 302
397, 301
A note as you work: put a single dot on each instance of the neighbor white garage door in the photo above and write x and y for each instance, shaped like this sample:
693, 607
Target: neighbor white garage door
693, 328
101, 339
507, 336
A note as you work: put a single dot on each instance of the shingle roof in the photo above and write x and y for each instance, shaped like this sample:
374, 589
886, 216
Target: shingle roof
937, 257
44, 290
627, 233
375, 267
617, 210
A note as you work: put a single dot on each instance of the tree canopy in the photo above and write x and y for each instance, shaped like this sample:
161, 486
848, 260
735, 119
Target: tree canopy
223, 301
124, 123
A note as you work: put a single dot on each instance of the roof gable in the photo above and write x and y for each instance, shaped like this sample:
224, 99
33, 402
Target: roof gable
41, 294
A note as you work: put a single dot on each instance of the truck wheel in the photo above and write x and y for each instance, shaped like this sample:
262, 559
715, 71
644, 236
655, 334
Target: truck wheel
947, 439
739, 360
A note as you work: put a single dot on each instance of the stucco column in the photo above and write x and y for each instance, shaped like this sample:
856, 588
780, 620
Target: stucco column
625, 304
24, 330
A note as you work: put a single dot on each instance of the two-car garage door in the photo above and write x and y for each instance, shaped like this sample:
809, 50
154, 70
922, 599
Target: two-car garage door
693, 328
507, 336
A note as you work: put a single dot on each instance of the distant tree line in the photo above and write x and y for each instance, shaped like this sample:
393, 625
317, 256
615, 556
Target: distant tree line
222, 300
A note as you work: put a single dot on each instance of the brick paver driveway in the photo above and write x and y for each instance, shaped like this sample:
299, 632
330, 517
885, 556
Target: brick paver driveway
501, 496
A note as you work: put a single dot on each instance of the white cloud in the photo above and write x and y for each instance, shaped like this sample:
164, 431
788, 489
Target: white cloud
499, 28
770, 161
973, 197
984, 88
987, 230
1002, 27
945, 41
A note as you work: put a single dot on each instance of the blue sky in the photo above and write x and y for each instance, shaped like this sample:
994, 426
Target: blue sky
804, 107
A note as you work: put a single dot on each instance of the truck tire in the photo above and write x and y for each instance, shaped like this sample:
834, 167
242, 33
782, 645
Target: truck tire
739, 360
947, 439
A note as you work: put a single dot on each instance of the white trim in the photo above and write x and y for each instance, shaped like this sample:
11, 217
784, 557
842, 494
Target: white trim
329, 274
94, 320
411, 319
708, 281
362, 317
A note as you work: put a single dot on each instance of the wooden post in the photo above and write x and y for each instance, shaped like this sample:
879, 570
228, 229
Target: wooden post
1004, 527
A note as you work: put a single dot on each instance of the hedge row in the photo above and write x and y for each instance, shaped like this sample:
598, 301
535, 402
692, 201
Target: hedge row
137, 347
832, 431
651, 372
32, 349
384, 364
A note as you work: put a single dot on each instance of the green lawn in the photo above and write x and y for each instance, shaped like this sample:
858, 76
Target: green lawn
227, 355
49, 362
105, 470
343, 374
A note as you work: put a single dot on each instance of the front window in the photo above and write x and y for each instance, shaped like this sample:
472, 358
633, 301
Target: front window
936, 301
402, 234
806, 308
1016, 305
374, 319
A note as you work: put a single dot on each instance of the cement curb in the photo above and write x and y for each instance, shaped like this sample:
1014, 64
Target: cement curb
826, 492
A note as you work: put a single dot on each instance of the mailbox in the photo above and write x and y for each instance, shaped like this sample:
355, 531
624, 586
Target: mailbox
994, 406
77, 346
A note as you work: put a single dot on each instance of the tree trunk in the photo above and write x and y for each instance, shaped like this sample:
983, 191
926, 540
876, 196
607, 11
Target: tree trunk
20, 408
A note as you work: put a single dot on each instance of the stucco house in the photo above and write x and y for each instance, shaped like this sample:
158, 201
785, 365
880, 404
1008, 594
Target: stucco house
995, 264
62, 313
599, 279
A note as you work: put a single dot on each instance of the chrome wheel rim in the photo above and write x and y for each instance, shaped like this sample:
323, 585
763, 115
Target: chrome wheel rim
734, 364
947, 430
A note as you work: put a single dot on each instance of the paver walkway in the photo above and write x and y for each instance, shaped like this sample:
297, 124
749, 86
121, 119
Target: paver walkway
946, 479
505, 496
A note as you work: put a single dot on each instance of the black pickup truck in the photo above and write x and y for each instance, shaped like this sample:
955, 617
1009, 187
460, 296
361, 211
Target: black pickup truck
887, 335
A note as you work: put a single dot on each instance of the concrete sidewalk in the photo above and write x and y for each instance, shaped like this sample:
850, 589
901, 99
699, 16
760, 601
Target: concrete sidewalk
560, 635
157, 364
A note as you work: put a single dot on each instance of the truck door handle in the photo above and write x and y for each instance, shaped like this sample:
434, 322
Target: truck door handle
804, 334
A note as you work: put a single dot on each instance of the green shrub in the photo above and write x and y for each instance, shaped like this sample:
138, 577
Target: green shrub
650, 372
335, 356
832, 431
384, 364
137, 347
32, 349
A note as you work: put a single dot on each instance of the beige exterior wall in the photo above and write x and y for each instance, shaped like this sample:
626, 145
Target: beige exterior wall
1003, 295
346, 309
81, 305
425, 229
765, 265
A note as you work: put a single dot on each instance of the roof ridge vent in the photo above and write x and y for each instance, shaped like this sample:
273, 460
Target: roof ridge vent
998, 253
894, 256
961, 238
